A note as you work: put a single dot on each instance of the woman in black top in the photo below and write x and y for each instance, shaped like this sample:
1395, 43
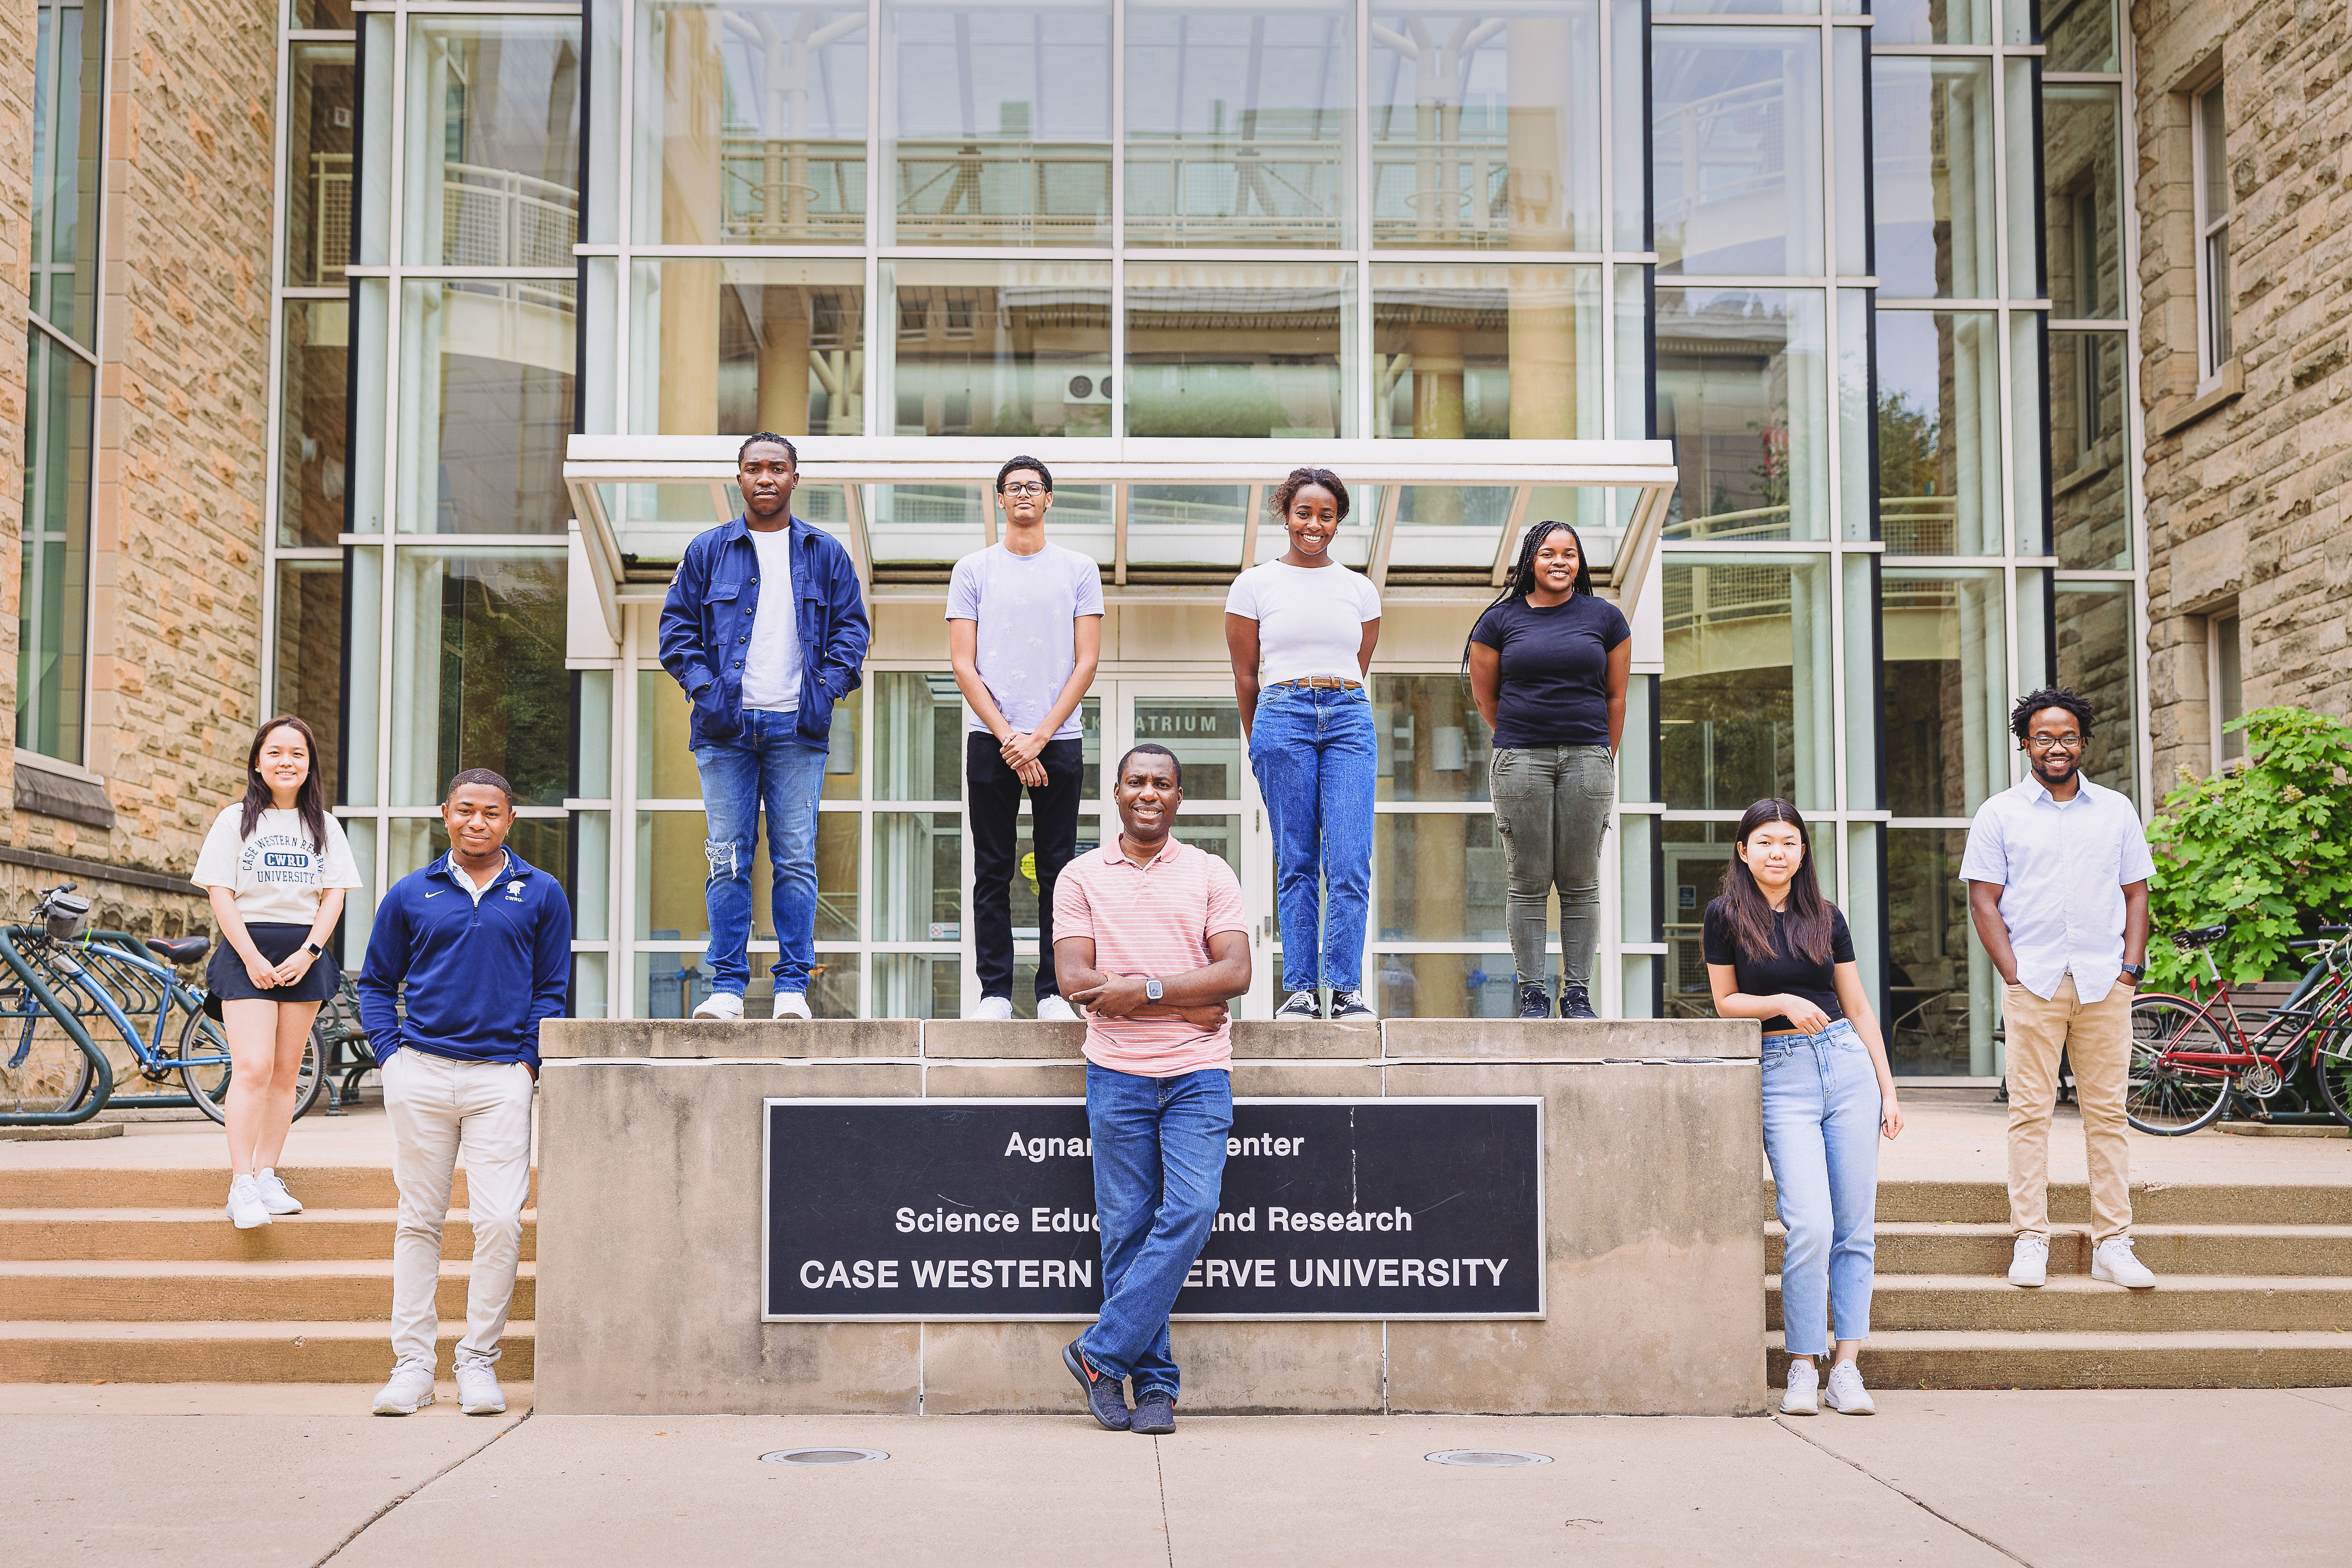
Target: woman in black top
1547, 664
1778, 952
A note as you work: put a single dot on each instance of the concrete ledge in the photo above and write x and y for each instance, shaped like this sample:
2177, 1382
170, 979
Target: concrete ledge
979, 1039
1629, 1039
1297, 1038
705, 1038
649, 1242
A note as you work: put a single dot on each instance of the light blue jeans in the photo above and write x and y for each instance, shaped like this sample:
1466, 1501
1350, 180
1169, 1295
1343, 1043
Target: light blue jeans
767, 763
1313, 751
1160, 1168
1821, 1133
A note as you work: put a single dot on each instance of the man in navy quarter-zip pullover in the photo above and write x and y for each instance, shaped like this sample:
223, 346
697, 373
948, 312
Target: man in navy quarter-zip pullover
482, 941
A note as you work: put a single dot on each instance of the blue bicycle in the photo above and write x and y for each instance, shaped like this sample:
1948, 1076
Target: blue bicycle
66, 977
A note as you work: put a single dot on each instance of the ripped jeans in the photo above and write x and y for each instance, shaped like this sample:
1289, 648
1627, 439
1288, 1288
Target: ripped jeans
767, 762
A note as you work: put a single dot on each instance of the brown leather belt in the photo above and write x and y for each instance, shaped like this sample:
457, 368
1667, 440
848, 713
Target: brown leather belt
1324, 683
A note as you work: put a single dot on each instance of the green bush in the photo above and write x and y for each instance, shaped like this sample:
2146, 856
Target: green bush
2266, 847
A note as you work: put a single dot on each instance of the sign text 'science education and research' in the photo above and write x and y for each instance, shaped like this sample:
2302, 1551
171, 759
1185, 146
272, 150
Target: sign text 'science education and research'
1331, 1208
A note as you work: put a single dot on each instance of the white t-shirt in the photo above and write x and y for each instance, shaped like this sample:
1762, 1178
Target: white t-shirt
1025, 610
771, 667
1311, 619
277, 877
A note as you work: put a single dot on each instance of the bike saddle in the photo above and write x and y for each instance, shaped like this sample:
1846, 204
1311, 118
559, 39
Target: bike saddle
2203, 936
181, 949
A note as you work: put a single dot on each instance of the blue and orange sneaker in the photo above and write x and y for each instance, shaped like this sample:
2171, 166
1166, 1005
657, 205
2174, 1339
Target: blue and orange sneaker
1105, 1400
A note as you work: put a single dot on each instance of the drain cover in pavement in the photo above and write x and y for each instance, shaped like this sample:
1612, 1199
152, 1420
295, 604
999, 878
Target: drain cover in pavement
824, 1456
1491, 1458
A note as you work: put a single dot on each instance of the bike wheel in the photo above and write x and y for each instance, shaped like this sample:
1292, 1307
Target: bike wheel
2336, 1073
2166, 1095
207, 1081
44, 1073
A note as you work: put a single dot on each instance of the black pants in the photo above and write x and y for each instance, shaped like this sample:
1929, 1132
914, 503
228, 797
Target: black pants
996, 852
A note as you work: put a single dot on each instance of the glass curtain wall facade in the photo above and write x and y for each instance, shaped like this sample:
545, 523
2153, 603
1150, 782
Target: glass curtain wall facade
1823, 255
61, 376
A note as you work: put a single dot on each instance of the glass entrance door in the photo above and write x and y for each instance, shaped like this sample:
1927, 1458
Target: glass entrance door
1196, 717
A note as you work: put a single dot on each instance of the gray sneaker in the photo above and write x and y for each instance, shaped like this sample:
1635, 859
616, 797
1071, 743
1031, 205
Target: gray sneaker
1155, 1412
1302, 1004
1105, 1400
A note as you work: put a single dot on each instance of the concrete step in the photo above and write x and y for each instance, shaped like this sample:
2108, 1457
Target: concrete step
205, 1186
205, 1235
2261, 1250
1992, 1358
1987, 1203
2075, 1303
269, 1291
226, 1352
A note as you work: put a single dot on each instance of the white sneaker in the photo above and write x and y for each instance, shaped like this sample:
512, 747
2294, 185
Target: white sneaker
792, 1004
1846, 1394
721, 1004
995, 1009
2114, 1262
1054, 1010
2029, 1265
245, 1207
410, 1390
274, 1196
1804, 1396
477, 1389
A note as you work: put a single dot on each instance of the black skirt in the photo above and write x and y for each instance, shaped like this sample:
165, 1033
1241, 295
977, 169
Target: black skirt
226, 980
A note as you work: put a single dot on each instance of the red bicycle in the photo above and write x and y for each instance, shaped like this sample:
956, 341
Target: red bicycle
2192, 1054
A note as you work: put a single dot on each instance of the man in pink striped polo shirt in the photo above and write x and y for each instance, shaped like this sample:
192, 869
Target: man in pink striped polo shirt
1148, 939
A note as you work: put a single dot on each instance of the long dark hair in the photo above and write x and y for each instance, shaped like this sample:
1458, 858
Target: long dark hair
309, 796
1523, 577
1807, 918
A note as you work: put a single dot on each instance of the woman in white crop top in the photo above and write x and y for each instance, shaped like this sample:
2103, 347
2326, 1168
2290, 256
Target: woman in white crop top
1301, 629
277, 867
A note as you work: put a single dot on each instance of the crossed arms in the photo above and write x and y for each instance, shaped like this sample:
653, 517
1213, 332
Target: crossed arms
1198, 996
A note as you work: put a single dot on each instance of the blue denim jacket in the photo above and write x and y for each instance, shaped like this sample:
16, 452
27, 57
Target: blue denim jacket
706, 626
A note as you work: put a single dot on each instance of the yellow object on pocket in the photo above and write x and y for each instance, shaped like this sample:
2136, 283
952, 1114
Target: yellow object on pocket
1029, 869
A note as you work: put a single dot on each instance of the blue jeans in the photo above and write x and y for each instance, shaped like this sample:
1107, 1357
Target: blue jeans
1160, 1167
1821, 1133
767, 762
1315, 760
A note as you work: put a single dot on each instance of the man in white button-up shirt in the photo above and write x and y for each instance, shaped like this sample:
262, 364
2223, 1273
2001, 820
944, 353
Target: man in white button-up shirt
2057, 870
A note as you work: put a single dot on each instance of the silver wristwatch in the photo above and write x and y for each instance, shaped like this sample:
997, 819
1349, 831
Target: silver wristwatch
1151, 989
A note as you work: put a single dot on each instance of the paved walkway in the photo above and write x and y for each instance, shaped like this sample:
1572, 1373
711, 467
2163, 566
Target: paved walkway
258, 1477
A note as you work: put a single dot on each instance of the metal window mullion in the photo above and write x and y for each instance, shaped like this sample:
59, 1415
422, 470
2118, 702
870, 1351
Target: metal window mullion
1119, 365
2136, 471
621, 1000
1366, 380
274, 383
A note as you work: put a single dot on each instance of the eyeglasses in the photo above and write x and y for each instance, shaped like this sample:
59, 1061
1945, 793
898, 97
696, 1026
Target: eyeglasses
2054, 742
1024, 487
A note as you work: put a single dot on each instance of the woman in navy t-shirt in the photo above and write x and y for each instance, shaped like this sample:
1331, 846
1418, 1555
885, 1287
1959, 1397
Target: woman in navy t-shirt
1779, 952
1547, 664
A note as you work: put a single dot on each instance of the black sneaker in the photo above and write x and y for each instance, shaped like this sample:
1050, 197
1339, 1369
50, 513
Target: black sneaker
1155, 1412
1535, 1002
1351, 1006
1105, 1400
1574, 1004
1302, 1004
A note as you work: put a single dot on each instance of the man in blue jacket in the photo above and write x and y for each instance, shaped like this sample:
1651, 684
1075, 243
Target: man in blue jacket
482, 943
765, 628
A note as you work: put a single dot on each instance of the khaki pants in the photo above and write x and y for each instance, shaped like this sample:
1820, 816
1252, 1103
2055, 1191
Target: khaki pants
438, 1107
2097, 1043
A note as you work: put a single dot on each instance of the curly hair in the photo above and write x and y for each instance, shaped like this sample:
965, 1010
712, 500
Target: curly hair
1288, 491
2020, 718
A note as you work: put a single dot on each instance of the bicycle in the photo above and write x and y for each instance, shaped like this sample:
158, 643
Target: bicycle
72, 976
2188, 1061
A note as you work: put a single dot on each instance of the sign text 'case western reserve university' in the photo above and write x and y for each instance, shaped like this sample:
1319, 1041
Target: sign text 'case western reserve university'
1331, 1208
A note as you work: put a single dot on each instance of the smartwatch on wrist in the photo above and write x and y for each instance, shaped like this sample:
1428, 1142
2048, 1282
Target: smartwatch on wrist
2136, 972
313, 949
1151, 989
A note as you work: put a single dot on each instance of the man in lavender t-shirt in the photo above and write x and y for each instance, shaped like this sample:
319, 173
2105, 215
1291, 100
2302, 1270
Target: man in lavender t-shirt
1025, 629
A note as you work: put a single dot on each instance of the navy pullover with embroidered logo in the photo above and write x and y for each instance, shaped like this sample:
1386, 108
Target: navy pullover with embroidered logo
481, 975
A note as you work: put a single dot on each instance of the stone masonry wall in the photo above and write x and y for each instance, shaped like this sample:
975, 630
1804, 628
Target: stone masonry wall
2248, 502
176, 514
